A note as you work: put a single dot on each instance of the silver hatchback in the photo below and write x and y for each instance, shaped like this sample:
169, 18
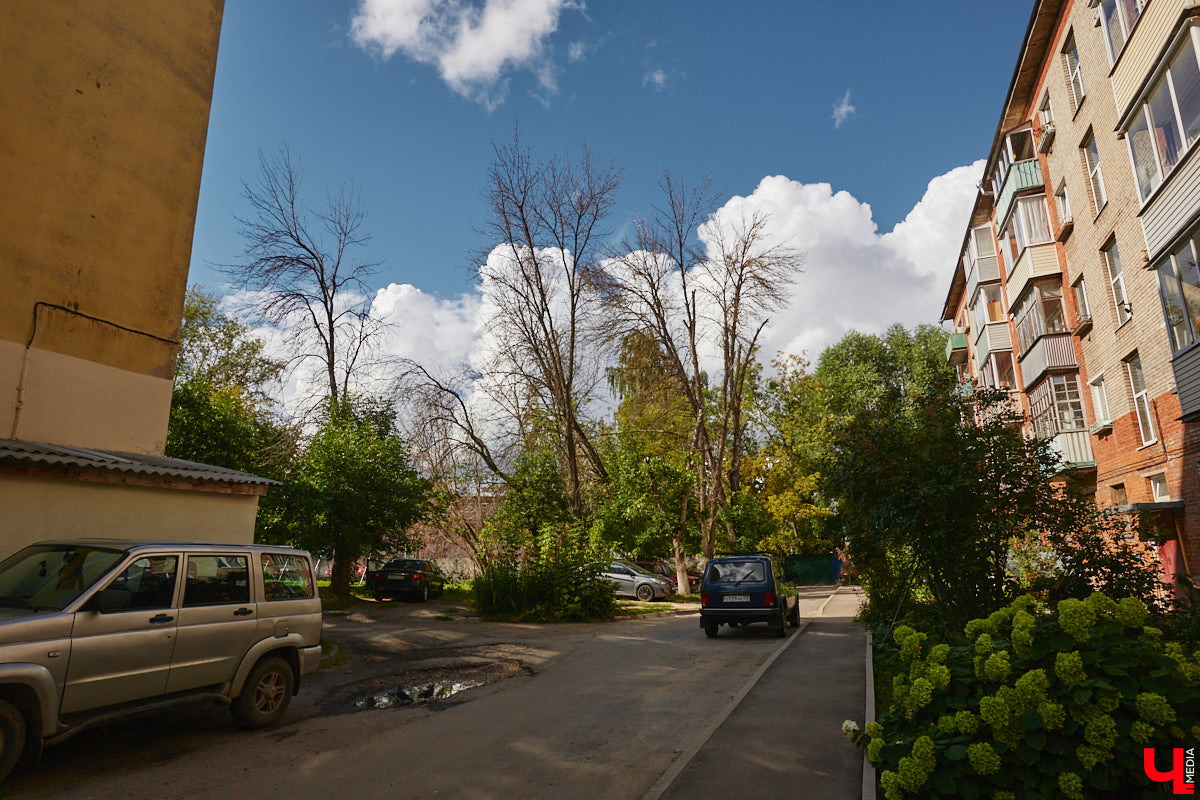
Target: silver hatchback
92, 629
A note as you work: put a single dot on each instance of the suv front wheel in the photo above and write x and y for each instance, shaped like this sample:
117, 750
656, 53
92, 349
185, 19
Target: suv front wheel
265, 695
12, 737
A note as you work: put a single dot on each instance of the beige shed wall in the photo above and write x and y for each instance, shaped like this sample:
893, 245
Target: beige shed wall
49, 508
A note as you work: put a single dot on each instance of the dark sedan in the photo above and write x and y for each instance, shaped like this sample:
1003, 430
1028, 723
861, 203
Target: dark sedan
413, 578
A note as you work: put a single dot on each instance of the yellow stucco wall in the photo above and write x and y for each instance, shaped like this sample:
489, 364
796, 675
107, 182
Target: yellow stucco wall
49, 508
106, 109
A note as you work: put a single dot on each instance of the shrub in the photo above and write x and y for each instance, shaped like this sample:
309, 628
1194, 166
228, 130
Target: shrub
1030, 703
567, 589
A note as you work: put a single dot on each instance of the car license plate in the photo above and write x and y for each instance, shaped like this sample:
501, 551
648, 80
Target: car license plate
737, 598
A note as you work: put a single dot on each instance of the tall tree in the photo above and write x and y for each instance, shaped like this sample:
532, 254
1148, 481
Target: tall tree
300, 271
688, 277
545, 219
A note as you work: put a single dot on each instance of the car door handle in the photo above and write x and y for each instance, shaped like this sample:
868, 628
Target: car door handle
243, 612
158, 619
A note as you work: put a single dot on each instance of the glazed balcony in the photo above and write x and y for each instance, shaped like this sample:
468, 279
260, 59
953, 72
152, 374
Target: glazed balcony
985, 269
1053, 351
1021, 175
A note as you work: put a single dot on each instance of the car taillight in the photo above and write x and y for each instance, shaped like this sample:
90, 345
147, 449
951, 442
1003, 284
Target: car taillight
416, 576
703, 599
770, 598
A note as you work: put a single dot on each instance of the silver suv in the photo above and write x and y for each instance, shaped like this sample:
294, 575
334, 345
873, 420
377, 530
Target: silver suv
93, 629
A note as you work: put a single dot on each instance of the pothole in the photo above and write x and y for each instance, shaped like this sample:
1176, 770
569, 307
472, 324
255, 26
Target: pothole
418, 693
421, 687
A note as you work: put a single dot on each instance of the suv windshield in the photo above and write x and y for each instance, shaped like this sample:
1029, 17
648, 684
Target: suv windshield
737, 572
50, 577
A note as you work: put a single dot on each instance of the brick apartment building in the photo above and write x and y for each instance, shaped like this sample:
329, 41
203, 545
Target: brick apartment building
1078, 285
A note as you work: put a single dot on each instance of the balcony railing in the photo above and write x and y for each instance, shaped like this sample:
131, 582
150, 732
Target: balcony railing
1021, 175
1037, 260
991, 337
1075, 447
985, 269
1049, 352
956, 348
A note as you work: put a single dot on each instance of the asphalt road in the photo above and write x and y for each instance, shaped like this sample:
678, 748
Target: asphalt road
574, 711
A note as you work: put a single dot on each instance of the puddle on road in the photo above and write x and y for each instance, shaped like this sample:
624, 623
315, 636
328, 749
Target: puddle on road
415, 694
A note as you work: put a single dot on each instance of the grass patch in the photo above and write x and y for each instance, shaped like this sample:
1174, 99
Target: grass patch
458, 593
626, 608
691, 598
330, 602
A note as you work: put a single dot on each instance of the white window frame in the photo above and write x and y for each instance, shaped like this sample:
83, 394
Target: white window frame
1117, 279
1095, 173
1070, 53
1143, 113
1082, 306
1126, 26
1062, 204
1159, 491
1100, 400
1141, 399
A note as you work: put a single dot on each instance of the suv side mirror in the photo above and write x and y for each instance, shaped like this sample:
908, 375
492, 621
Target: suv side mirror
107, 600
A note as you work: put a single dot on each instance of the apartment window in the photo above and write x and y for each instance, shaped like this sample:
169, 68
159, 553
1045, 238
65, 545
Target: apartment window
1100, 400
1158, 488
1056, 406
1168, 122
1179, 287
1040, 313
1062, 204
1112, 258
989, 306
1091, 162
998, 371
1081, 301
1119, 498
1070, 56
981, 243
1045, 111
1018, 146
1141, 398
1031, 223
1118, 18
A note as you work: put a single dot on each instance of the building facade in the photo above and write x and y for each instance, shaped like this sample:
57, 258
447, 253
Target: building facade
106, 115
1077, 288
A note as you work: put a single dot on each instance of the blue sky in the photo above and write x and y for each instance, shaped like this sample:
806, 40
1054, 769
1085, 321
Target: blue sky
742, 91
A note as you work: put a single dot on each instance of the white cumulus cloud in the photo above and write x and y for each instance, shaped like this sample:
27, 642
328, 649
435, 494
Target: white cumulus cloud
655, 78
474, 46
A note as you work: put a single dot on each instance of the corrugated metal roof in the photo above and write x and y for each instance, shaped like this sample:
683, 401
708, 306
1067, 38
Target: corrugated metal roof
16, 451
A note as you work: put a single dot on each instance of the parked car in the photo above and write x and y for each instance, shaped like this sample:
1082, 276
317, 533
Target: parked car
739, 590
94, 629
633, 581
414, 578
667, 571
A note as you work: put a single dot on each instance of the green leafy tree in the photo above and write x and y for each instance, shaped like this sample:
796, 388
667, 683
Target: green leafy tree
352, 491
222, 351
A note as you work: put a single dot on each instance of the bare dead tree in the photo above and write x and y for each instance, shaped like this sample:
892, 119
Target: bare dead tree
692, 280
545, 220
299, 269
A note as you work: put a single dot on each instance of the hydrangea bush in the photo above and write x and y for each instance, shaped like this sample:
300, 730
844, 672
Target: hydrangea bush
1034, 703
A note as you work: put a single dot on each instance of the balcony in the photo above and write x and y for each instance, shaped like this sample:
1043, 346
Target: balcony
1021, 175
956, 349
991, 337
986, 269
1036, 261
1172, 204
1055, 351
1075, 448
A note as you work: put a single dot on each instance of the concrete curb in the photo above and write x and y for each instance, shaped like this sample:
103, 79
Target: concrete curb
821, 610
685, 757
868, 781
676, 613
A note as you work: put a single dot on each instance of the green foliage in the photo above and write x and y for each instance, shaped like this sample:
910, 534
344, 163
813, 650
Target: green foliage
221, 351
536, 502
351, 491
562, 585
648, 504
940, 496
1032, 703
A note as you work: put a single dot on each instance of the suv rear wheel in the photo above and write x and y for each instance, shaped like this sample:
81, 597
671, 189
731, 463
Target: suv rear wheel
12, 737
266, 694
